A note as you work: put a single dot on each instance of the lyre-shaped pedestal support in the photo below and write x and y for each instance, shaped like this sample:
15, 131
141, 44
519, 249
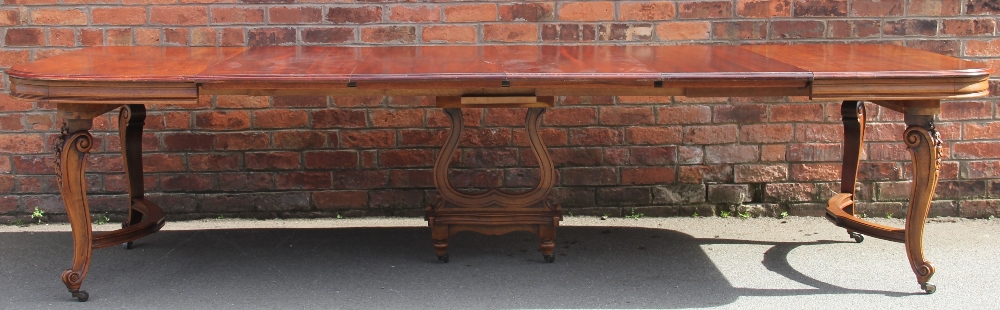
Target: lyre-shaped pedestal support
495, 211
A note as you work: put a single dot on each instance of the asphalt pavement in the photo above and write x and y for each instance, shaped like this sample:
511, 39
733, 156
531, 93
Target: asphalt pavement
380, 263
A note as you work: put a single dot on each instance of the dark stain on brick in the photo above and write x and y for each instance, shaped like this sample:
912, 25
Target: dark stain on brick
270, 36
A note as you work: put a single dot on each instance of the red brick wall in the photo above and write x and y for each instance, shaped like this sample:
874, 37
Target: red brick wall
318, 156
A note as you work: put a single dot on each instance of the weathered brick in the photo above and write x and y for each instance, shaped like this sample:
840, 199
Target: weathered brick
395, 158
299, 140
910, 27
716, 154
797, 29
411, 178
479, 137
448, 34
178, 15
24, 37
241, 141
276, 118
705, 174
979, 208
877, 8
527, 12
815, 172
679, 194
820, 8
302, 180
788, 192
354, 15
756, 173
178, 36
623, 196
648, 175
272, 161
368, 139
935, 7
653, 135
653, 156
397, 118
763, 8
706, 9
470, 13
339, 118
656, 11
798, 152
596, 136
739, 30
236, 15
979, 7
570, 117
270, 36
766, 133
588, 176
117, 16
58, 17
968, 27
389, 34
336, 200
415, 14
222, 120
710, 134
214, 162
188, 182
489, 157
619, 115
579, 157
510, 32
733, 194
295, 15
684, 114
397, 199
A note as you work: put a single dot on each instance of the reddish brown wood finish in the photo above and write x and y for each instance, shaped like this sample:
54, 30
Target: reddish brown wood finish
92, 81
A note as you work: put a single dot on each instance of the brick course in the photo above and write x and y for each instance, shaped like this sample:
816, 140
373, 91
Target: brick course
319, 156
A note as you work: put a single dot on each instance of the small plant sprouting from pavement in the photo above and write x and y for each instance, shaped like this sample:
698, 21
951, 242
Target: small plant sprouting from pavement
18, 222
605, 216
634, 216
38, 214
744, 215
724, 214
695, 214
888, 215
220, 217
101, 219
863, 215
784, 214
990, 218
339, 216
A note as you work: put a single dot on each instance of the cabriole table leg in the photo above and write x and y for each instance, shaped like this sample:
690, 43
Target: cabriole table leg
71, 155
925, 147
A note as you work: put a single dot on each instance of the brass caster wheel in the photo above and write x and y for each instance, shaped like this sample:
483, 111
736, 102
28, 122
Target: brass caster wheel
443, 258
81, 295
928, 288
857, 237
549, 258
126, 245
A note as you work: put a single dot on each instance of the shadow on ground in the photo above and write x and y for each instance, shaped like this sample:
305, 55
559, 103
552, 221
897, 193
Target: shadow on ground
595, 267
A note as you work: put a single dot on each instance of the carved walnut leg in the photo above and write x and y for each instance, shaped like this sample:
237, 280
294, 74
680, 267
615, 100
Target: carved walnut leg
70, 159
925, 147
131, 119
854, 115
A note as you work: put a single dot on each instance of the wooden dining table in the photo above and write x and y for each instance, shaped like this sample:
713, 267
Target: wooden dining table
90, 82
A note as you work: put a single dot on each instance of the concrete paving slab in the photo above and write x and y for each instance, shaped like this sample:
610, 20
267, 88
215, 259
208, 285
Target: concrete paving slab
661, 263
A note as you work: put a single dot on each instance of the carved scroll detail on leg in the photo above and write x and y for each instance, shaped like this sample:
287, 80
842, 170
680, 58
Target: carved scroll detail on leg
925, 147
71, 157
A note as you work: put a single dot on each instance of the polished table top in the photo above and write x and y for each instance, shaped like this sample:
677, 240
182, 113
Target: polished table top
819, 71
